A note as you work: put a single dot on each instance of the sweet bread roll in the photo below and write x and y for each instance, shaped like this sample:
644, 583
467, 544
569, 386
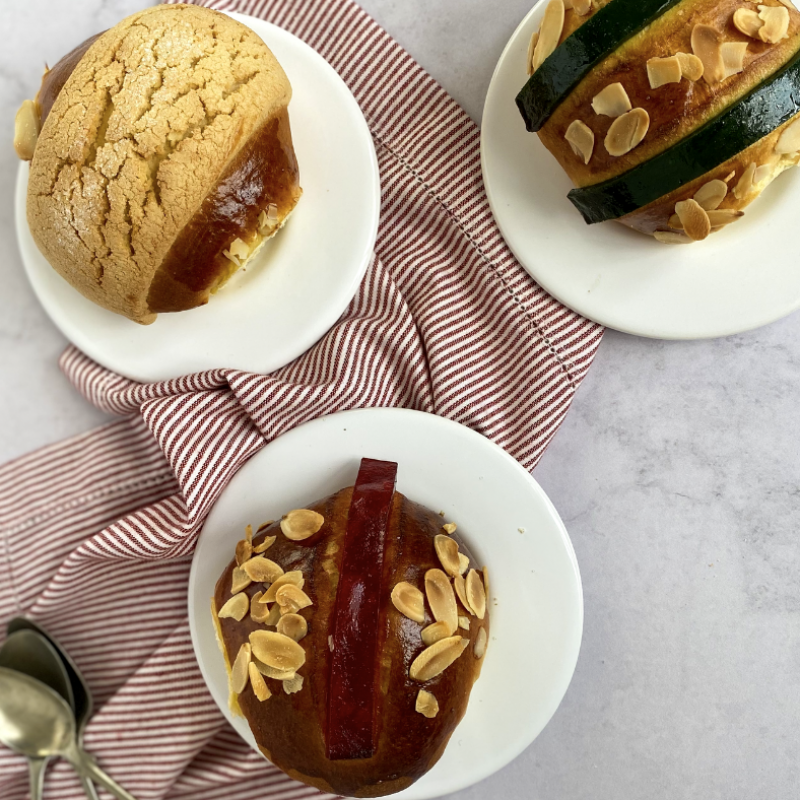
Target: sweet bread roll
391, 622
164, 161
669, 116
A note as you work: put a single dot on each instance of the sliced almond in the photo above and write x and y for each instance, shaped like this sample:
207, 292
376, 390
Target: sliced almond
436, 631
762, 173
581, 7
238, 252
291, 599
723, 216
463, 623
580, 138
260, 688
789, 141
476, 594
244, 550
240, 670
730, 176
463, 563
259, 612
301, 523
613, 101
274, 616
449, 527
27, 124
248, 533
435, 659
694, 219
748, 22
480, 643
531, 50
441, 599
486, 581
710, 195
733, 54
670, 237
293, 625
691, 66
240, 580
776, 23
236, 607
293, 577
706, 42
271, 672
262, 570
627, 131
409, 601
426, 704
745, 183
549, 32
265, 545
277, 651
461, 592
661, 71
447, 551
789, 4
293, 684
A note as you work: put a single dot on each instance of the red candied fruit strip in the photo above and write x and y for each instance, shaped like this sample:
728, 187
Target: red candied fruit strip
351, 686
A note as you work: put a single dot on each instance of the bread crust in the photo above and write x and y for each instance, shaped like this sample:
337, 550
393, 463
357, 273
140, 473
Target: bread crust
290, 729
149, 119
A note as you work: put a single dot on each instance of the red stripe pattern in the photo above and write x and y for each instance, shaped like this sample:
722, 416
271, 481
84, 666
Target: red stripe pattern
96, 533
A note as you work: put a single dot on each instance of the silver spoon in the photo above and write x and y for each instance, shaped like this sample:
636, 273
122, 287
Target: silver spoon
82, 696
28, 652
36, 722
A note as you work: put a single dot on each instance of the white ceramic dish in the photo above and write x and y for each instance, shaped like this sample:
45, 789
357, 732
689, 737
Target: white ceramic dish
537, 611
300, 282
730, 283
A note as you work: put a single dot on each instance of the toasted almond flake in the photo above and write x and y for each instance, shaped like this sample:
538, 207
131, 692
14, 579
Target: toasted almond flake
661, 71
730, 176
260, 688
248, 533
265, 525
265, 545
733, 54
240, 580
259, 612
441, 599
580, 138
447, 551
235, 608
694, 219
262, 570
706, 43
435, 659
581, 7
531, 49
277, 651
301, 523
776, 23
549, 32
670, 237
627, 131
291, 599
762, 173
274, 616
244, 550
27, 124
486, 581
461, 593
476, 594
449, 527
426, 704
789, 141
293, 685
240, 670
434, 632
675, 222
463, 623
293, 625
747, 22
613, 101
409, 601
330, 643
789, 4
691, 66
710, 195
276, 674
480, 643
463, 563
723, 216
293, 577
745, 183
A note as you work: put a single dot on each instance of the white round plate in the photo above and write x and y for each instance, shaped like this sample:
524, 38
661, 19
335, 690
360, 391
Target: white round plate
296, 287
537, 611
736, 280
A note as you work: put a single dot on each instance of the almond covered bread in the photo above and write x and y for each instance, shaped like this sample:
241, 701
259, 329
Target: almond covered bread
353, 631
164, 159
669, 116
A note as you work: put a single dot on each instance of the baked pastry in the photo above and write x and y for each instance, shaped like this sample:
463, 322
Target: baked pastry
353, 631
164, 161
669, 116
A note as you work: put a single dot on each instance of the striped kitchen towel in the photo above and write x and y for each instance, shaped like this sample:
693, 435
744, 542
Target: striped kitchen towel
96, 533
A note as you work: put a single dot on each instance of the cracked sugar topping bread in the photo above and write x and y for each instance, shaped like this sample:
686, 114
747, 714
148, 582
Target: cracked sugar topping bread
164, 159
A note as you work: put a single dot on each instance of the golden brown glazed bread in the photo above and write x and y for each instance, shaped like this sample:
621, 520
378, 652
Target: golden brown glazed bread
290, 728
676, 109
164, 160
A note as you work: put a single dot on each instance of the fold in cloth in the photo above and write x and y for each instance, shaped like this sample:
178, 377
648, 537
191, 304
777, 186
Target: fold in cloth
96, 533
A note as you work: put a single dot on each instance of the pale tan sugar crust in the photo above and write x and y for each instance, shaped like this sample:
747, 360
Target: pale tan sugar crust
139, 134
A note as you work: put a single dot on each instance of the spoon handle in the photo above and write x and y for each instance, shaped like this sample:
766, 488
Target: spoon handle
36, 768
88, 788
87, 769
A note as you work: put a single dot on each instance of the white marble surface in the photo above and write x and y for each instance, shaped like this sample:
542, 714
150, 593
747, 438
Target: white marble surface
676, 472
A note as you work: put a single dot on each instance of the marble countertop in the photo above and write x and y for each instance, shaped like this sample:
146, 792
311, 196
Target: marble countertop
676, 473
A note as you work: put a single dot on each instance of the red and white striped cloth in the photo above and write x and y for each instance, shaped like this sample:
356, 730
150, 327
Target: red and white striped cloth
96, 533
